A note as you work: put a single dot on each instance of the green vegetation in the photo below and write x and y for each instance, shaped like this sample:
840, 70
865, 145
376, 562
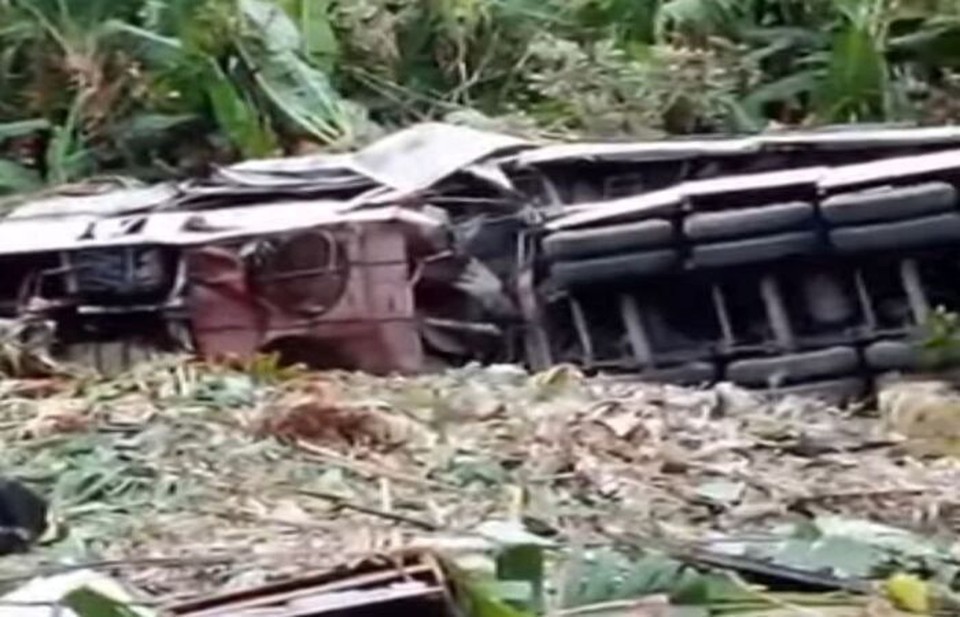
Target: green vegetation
159, 88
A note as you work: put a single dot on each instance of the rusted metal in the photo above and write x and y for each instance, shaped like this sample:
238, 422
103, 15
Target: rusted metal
408, 583
336, 297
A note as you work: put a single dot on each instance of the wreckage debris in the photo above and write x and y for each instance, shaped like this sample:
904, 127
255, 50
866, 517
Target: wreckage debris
399, 584
802, 262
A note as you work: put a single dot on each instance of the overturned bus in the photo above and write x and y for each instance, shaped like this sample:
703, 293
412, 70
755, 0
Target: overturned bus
799, 261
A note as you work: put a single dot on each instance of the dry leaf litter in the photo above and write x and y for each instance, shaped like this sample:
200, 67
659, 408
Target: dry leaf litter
186, 477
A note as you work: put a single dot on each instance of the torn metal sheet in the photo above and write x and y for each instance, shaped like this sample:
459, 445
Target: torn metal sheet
208, 196
419, 157
408, 161
190, 229
392, 170
256, 180
111, 203
492, 174
406, 584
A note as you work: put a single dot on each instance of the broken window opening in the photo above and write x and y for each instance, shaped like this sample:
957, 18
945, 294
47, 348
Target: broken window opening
884, 284
822, 303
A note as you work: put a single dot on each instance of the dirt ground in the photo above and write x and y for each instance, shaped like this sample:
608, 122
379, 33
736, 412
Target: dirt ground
185, 478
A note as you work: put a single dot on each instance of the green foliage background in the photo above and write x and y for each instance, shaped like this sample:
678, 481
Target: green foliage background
160, 88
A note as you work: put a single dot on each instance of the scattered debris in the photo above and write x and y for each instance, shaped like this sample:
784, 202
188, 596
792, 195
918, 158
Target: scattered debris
400, 584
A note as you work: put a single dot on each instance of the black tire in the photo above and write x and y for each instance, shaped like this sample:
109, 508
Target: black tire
795, 368
565, 245
754, 250
692, 374
916, 233
610, 269
792, 216
889, 204
831, 392
892, 356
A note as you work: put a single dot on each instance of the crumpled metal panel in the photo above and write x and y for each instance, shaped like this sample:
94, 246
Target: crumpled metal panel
403, 584
409, 161
347, 304
421, 156
190, 228
110, 203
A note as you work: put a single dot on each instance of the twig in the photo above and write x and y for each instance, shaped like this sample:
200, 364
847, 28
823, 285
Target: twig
340, 502
365, 469
869, 492
250, 515
159, 562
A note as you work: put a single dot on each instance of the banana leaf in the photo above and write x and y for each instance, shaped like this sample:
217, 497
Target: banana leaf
15, 178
